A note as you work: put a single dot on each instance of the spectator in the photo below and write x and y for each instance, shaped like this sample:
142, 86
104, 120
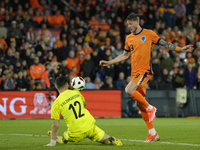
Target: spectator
107, 46
22, 30
13, 39
18, 67
36, 4
169, 18
34, 21
86, 48
72, 46
15, 59
56, 51
104, 25
72, 62
3, 60
108, 85
152, 83
64, 50
47, 20
13, 47
93, 22
166, 79
198, 77
177, 59
37, 70
167, 62
111, 37
44, 34
9, 56
3, 30
58, 20
189, 28
17, 32
118, 51
42, 85
34, 85
180, 9
22, 84
9, 83
178, 80
190, 77
81, 58
109, 70
26, 22
96, 58
89, 85
65, 30
30, 35
87, 67
58, 42
3, 45
175, 69
98, 83
3, 78
49, 56
157, 69
7, 20
120, 82
190, 59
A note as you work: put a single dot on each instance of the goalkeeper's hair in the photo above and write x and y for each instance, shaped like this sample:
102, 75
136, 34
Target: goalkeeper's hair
132, 16
61, 81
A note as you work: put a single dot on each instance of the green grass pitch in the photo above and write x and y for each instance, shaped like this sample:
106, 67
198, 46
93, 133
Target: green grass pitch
175, 134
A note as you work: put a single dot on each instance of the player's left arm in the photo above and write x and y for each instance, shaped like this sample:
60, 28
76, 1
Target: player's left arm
54, 132
55, 115
170, 46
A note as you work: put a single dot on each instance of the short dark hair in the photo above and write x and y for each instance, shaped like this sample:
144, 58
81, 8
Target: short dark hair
132, 16
61, 81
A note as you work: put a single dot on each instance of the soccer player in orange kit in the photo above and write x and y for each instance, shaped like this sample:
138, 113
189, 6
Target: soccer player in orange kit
138, 44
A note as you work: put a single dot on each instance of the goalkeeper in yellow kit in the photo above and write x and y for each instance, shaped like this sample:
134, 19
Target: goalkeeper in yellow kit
81, 124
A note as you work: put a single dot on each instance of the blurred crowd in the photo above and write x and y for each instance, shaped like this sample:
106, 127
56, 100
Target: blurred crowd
91, 30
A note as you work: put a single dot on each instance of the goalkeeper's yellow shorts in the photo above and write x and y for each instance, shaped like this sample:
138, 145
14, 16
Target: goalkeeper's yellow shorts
94, 134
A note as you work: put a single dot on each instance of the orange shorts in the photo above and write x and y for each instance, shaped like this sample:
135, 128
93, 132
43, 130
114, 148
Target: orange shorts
141, 79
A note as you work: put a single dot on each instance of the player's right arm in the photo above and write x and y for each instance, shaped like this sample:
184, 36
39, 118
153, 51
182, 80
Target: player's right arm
170, 46
119, 58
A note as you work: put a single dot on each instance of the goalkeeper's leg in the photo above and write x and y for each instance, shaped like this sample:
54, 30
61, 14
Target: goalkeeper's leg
110, 140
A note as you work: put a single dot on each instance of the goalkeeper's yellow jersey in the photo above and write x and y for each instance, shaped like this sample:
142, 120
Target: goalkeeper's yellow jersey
71, 105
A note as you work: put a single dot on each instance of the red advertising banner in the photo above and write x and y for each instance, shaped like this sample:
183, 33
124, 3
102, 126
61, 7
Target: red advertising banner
35, 104
103, 103
29, 104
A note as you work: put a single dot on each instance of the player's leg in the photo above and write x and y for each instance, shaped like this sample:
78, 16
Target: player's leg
61, 139
140, 80
152, 135
110, 140
98, 135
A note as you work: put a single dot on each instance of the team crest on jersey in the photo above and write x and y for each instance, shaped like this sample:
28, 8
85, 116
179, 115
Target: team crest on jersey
143, 39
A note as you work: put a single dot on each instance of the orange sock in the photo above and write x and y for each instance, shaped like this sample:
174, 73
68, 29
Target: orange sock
146, 118
139, 98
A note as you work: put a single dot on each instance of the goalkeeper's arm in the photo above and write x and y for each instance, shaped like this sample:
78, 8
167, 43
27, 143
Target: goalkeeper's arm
54, 131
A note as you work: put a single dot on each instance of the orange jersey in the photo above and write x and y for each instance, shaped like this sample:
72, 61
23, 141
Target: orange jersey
140, 47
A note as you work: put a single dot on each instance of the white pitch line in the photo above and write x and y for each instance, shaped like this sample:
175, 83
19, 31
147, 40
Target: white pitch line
26, 135
186, 144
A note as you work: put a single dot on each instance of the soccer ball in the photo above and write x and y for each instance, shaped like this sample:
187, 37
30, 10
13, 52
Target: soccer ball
78, 83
